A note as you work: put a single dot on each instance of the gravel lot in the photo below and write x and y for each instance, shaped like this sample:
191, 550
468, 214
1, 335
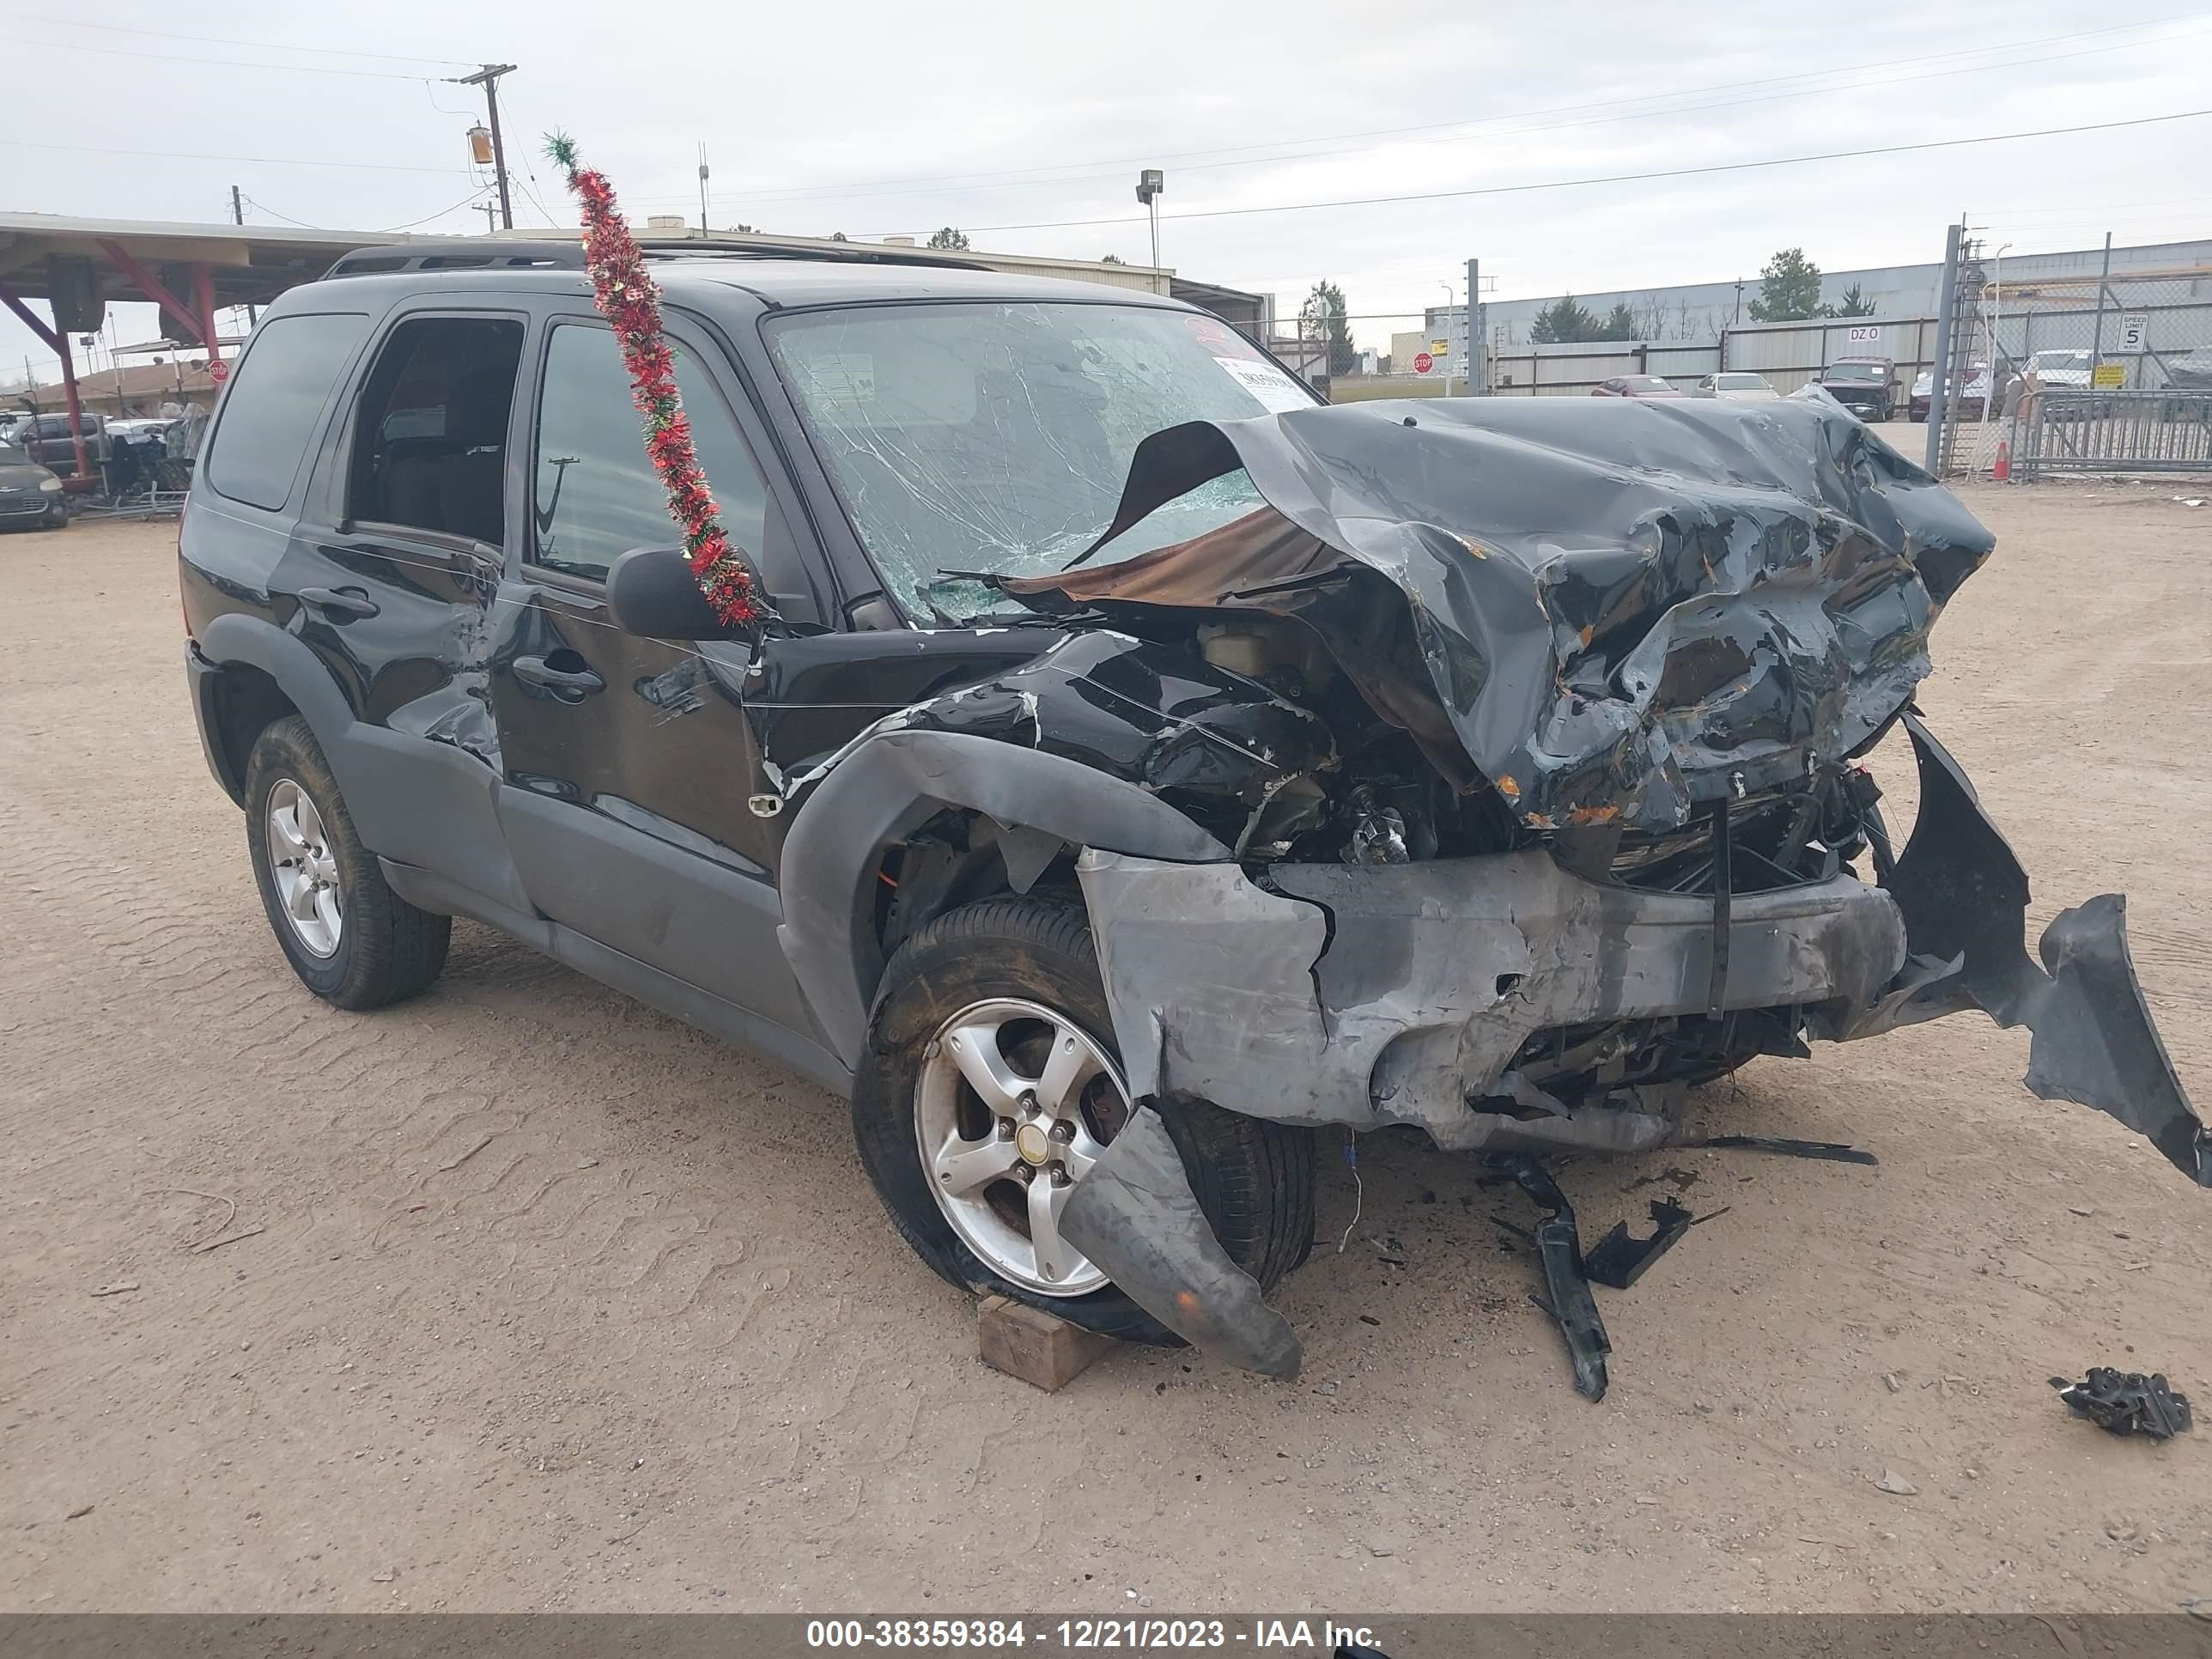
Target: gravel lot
556, 1304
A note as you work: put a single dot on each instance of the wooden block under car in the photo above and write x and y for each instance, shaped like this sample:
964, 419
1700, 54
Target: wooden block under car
1027, 1342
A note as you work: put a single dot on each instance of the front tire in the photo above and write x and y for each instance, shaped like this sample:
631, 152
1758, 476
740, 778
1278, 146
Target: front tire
994, 1014
57, 517
349, 938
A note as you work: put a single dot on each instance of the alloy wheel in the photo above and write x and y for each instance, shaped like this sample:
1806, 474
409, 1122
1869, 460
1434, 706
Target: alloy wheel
1013, 1105
305, 870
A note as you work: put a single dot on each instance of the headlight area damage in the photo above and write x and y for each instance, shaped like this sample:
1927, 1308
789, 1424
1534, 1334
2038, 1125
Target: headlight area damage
1528, 732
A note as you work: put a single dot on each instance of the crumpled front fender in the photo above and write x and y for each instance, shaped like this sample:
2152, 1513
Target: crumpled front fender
1963, 896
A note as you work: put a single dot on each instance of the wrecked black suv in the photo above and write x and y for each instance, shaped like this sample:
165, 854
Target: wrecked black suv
1148, 767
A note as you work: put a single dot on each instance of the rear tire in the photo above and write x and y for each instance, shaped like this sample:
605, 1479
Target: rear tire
362, 945
1254, 1180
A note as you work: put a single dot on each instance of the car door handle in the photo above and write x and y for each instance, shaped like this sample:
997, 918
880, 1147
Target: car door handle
339, 601
568, 684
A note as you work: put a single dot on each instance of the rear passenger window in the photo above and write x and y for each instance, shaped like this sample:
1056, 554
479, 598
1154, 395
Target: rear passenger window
596, 496
430, 447
281, 386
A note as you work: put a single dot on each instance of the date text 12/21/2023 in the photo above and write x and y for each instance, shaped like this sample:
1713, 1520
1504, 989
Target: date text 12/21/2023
988, 1636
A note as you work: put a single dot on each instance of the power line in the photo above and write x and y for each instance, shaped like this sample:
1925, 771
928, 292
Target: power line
201, 155
470, 200
1624, 109
221, 41
1607, 179
215, 63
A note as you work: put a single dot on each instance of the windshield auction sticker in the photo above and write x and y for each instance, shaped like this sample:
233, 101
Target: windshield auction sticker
1276, 390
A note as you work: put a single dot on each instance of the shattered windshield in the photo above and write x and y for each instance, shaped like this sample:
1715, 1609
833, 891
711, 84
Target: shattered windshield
996, 438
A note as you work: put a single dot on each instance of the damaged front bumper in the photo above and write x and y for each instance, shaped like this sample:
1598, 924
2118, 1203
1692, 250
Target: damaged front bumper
1366, 996
1404, 994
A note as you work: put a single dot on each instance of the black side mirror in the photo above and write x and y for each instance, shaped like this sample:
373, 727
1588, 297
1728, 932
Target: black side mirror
651, 591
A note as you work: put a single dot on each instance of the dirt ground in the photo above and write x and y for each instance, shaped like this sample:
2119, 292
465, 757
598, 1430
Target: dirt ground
546, 1301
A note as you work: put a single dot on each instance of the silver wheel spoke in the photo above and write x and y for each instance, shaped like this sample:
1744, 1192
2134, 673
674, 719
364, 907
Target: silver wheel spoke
301, 900
326, 909
290, 843
975, 1049
1080, 1153
1071, 1064
1056, 1260
963, 1166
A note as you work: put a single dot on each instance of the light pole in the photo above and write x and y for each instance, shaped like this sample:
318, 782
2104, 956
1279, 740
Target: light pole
1149, 184
1451, 298
1996, 314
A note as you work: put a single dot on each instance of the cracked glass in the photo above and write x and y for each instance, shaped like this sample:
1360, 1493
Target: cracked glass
996, 437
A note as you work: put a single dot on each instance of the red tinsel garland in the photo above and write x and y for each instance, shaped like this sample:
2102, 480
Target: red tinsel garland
628, 297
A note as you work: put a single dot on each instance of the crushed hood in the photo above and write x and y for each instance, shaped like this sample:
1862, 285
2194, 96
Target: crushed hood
1608, 610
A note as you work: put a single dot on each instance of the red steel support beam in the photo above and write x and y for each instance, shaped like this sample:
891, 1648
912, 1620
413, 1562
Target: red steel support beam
57, 343
151, 287
204, 293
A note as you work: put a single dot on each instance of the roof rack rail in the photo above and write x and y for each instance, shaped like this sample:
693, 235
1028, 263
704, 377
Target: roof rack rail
507, 253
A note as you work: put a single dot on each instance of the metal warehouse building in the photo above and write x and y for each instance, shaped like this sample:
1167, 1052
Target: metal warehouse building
1696, 312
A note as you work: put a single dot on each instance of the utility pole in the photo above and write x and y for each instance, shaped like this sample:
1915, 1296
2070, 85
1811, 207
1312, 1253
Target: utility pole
488, 210
237, 217
487, 78
703, 187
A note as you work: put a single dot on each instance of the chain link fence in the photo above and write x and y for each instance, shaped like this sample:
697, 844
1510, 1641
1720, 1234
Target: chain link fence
2104, 371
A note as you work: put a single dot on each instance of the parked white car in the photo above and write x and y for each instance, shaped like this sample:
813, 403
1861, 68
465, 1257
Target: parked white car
1737, 387
2062, 370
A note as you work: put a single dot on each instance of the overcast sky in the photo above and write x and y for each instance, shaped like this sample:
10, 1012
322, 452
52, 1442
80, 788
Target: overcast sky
875, 117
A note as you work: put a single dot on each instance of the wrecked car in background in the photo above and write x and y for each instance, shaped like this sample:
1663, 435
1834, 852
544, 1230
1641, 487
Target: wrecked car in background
1152, 768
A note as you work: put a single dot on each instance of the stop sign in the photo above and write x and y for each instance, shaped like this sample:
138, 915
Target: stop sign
218, 370
1423, 363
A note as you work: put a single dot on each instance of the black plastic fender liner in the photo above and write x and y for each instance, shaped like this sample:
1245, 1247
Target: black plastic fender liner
890, 784
1963, 896
1138, 1220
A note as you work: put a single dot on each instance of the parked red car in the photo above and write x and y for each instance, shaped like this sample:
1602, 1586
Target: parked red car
1634, 385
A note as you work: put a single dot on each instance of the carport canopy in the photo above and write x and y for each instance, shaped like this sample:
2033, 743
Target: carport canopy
191, 271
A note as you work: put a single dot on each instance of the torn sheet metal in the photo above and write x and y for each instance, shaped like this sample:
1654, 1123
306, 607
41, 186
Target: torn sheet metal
1366, 995
1613, 610
1566, 1288
1964, 897
1136, 1217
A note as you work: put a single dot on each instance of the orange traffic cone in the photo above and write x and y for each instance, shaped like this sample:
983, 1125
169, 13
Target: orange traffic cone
2002, 470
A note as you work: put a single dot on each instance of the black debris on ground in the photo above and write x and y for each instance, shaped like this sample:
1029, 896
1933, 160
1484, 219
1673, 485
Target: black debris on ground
1620, 1260
1558, 1250
1833, 1151
2127, 1402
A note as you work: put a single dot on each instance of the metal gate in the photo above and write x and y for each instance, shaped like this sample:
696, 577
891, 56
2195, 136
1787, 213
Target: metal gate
2164, 431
